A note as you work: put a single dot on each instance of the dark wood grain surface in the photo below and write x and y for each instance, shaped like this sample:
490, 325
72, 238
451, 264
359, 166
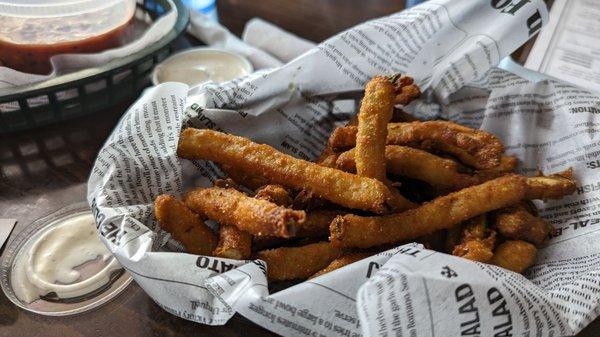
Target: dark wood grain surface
45, 169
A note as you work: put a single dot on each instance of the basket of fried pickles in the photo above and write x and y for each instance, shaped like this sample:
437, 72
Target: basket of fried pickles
384, 179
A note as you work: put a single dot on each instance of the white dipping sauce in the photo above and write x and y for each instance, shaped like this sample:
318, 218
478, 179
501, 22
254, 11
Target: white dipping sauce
48, 262
201, 65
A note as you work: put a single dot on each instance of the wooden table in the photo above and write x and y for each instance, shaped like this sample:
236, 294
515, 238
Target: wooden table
45, 169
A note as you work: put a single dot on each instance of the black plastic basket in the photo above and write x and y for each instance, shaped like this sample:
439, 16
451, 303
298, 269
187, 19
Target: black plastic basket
90, 90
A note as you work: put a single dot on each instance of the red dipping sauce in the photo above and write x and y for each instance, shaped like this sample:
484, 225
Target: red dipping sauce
27, 44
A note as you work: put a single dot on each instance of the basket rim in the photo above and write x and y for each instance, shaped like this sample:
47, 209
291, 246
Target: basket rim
87, 75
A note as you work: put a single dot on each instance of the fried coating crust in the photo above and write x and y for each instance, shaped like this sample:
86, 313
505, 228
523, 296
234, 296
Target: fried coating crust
441, 213
406, 90
231, 207
413, 163
554, 186
252, 182
234, 243
317, 223
518, 223
507, 165
334, 185
477, 241
225, 183
275, 194
306, 199
290, 263
375, 113
514, 255
342, 261
475, 148
184, 225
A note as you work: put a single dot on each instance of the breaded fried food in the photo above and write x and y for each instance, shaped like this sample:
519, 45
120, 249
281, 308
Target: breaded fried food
184, 225
225, 183
517, 223
375, 113
342, 261
231, 207
307, 200
276, 194
441, 213
477, 240
417, 164
340, 187
290, 263
514, 255
233, 243
475, 148
554, 186
241, 177
406, 89
507, 165
317, 223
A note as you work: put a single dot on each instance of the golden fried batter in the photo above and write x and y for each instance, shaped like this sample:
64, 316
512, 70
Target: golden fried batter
406, 90
342, 188
231, 207
507, 165
275, 194
184, 225
291, 263
375, 113
234, 243
413, 163
241, 177
514, 255
518, 223
443, 212
342, 261
554, 186
317, 223
475, 148
477, 240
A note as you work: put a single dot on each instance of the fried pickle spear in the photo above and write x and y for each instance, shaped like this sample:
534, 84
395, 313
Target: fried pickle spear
275, 194
417, 164
375, 113
290, 263
441, 213
475, 148
517, 223
184, 225
477, 241
231, 207
233, 243
554, 186
514, 255
342, 188
342, 261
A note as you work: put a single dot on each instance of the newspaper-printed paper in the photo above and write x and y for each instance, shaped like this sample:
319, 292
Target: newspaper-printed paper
451, 48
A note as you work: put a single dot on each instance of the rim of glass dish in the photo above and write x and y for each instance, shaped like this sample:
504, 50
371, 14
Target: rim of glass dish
108, 292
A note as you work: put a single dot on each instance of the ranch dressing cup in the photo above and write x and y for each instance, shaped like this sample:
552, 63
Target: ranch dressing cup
58, 266
200, 65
